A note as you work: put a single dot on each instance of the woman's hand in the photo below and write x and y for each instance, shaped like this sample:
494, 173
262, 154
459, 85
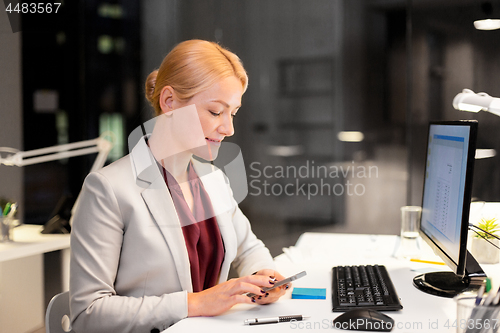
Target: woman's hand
220, 298
272, 295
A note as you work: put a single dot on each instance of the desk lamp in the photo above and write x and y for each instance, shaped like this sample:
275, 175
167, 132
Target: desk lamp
100, 145
468, 100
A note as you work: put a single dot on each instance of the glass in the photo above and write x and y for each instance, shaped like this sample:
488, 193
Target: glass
410, 221
410, 224
476, 319
7, 224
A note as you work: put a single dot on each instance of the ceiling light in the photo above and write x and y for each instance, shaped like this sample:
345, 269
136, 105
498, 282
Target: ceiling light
350, 136
488, 24
285, 151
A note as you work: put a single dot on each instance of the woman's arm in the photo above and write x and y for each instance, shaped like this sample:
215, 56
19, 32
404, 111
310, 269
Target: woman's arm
96, 242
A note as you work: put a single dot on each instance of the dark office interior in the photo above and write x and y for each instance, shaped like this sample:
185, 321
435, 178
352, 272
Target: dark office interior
343, 84
382, 68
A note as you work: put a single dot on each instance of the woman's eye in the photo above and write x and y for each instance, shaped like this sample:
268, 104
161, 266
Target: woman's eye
215, 114
233, 115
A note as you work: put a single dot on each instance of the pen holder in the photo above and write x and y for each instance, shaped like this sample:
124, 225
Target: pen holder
7, 224
472, 318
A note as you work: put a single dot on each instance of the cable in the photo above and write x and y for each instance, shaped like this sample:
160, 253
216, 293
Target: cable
483, 237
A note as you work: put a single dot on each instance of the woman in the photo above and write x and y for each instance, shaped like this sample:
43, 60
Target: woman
149, 244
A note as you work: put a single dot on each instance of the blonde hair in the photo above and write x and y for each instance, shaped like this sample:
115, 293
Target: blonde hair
191, 67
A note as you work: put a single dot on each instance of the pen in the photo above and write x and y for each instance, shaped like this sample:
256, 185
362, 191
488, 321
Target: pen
488, 285
496, 300
428, 261
483, 312
480, 294
274, 320
487, 301
6, 208
12, 210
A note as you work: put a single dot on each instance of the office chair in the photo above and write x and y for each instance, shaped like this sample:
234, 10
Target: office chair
57, 315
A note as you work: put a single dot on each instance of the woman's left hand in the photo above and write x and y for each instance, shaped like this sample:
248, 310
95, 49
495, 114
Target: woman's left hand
274, 294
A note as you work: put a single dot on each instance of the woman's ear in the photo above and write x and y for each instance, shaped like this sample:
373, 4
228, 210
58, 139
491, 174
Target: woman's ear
167, 99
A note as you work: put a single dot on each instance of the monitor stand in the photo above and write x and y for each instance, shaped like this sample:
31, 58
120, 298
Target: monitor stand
448, 284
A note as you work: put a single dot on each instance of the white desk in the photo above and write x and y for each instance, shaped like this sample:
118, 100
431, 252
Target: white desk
317, 253
22, 299
29, 241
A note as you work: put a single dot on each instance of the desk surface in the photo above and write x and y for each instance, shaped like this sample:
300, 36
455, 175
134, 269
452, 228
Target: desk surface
317, 253
29, 241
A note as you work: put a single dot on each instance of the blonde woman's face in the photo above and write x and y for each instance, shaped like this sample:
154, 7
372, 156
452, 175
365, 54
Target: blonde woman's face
216, 109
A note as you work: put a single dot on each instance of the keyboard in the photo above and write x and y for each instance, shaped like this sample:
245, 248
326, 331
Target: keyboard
367, 286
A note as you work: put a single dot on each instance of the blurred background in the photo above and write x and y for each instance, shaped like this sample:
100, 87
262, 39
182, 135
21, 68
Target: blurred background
345, 85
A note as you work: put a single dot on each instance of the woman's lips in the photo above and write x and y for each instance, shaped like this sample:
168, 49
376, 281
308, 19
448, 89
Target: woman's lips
213, 141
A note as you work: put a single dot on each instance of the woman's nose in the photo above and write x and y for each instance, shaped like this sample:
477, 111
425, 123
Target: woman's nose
226, 127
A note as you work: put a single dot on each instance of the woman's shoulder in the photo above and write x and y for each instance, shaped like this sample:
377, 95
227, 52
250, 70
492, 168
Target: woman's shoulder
120, 165
118, 171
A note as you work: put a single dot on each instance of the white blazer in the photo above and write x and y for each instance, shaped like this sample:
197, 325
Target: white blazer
130, 268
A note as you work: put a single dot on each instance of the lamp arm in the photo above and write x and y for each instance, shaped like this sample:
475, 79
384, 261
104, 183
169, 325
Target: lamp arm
57, 156
98, 145
59, 148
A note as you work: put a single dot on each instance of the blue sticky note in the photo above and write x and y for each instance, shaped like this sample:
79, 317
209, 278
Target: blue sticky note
309, 293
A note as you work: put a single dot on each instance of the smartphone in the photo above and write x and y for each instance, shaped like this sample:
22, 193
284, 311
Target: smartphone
282, 282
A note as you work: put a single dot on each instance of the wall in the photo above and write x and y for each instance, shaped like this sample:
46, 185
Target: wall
367, 40
11, 187
265, 32
11, 178
159, 34
448, 56
277, 30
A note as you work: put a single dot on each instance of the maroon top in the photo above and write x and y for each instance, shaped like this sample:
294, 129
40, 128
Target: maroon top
201, 231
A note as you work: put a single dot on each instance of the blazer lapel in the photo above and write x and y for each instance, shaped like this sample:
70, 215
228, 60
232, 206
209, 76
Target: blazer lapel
160, 204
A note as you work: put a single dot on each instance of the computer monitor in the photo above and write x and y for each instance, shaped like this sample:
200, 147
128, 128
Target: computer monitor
446, 200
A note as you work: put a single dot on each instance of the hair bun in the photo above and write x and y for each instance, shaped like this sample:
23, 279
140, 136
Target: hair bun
150, 85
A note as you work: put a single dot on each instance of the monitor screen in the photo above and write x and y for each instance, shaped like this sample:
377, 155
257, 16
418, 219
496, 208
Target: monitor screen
445, 201
444, 224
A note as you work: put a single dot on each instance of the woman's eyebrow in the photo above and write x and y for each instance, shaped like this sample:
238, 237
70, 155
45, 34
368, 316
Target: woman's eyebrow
223, 103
